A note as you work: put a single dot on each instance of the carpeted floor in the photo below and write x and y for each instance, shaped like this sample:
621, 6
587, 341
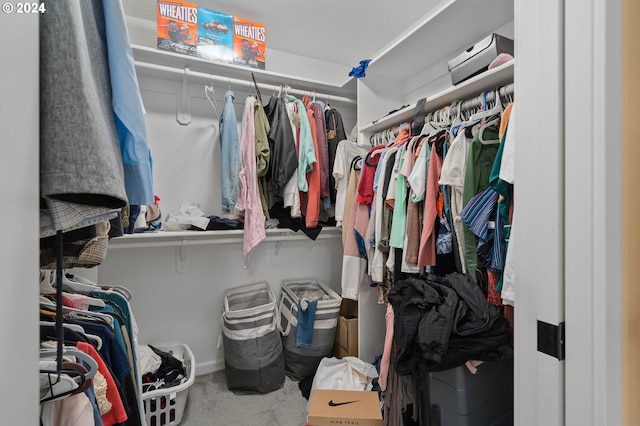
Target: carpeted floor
210, 403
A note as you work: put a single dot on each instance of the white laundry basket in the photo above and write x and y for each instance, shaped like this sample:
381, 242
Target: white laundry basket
165, 407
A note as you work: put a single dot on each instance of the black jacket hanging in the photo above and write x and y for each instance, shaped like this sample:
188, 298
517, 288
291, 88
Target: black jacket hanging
335, 134
284, 158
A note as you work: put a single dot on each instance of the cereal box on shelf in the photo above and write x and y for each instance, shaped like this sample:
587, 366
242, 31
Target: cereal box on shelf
177, 26
215, 35
249, 43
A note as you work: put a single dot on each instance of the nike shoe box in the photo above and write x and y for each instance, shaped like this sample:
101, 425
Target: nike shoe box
341, 407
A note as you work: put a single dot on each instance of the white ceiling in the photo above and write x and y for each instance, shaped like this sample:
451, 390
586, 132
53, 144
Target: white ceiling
339, 31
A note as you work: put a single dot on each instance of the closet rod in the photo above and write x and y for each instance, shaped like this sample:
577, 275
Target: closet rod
472, 103
478, 101
236, 81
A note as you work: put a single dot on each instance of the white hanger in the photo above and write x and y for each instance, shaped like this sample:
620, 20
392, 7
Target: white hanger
207, 89
46, 281
80, 314
481, 133
51, 352
57, 384
77, 284
498, 108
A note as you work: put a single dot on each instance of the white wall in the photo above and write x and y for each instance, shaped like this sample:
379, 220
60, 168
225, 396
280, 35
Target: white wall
171, 306
143, 32
186, 158
19, 121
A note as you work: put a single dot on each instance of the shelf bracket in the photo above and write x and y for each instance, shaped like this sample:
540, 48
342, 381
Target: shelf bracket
184, 111
183, 262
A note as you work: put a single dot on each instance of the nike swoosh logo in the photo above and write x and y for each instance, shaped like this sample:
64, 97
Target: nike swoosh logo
336, 404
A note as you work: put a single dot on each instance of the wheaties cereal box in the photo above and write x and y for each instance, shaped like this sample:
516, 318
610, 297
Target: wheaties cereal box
178, 26
249, 43
215, 35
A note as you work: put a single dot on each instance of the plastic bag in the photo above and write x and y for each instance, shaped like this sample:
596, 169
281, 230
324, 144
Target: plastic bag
187, 215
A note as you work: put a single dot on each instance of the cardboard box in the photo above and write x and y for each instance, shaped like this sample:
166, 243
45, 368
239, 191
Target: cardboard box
187, 28
215, 35
340, 407
177, 26
249, 43
346, 343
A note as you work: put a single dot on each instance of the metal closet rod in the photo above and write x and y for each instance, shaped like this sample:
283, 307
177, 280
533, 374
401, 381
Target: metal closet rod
238, 82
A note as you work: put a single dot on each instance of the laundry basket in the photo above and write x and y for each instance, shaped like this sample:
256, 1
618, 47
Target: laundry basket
254, 362
165, 407
301, 361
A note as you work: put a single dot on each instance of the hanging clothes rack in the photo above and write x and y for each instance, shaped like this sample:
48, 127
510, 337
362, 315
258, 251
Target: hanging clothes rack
474, 103
479, 101
240, 82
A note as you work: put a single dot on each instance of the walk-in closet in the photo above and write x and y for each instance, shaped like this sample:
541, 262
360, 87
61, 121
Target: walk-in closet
384, 191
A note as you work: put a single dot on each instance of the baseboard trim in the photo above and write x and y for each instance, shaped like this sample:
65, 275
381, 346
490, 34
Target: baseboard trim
208, 367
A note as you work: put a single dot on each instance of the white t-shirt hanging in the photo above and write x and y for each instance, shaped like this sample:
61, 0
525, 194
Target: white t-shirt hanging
507, 166
345, 153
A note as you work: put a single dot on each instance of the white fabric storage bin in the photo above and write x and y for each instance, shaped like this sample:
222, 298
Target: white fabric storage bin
301, 362
165, 407
253, 357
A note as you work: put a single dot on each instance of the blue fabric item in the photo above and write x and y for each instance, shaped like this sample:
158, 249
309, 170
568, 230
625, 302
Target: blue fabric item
128, 108
479, 211
499, 253
306, 318
358, 71
134, 212
122, 307
111, 351
229, 154
376, 175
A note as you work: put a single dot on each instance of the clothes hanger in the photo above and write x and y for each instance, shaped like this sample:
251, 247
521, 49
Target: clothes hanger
81, 314
255, 84
497, 109
69, 351
75, 327
55, 385
69, 379
207, 89
481, 133
72, 284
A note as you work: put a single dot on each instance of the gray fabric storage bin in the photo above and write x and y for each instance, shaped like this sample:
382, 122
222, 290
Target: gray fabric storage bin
460, 398
253, 356
301, 362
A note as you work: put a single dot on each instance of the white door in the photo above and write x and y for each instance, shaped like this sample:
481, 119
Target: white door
568, 210
593, 211
538, 221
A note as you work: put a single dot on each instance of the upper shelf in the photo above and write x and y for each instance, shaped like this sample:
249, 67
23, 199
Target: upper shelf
158, 63
449, 28
492, 78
